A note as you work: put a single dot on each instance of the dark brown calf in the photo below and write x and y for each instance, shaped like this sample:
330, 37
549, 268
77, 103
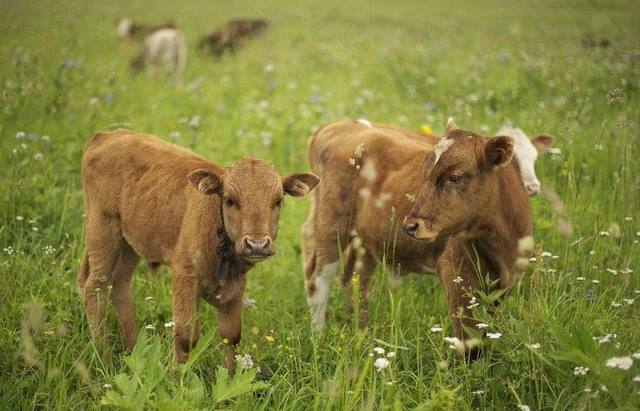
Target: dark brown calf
232, 35
148, 198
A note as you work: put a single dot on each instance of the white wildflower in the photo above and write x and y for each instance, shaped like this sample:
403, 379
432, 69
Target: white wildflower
436, 329
595, 281
169, 324
615, 304
534, 346
150, 327
455, 343
628, 301
546, 254
636, 355
524, 408
148, 298
244, 361
391, 354
605, 338
379, 350
19, 218
478, 392
248, 302
605, 233
533, 259
636, 379
580, 279
457, 280
624, 363
494, 336
107, 386
20, 135
580, 370
612, 271
481, 325
381, 363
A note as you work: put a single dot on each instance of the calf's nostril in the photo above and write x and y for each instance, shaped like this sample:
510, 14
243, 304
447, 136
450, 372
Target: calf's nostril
256, 244
411, 228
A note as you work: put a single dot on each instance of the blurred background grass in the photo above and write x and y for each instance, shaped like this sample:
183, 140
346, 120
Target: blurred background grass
65, 75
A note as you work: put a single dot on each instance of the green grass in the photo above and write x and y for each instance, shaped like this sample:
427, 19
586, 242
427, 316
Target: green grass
486, 63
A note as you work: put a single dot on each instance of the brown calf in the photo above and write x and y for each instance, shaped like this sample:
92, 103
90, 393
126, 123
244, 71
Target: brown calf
148, 198
231, 36
464, 203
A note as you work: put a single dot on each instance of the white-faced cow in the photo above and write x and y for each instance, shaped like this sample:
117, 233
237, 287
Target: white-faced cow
455, 207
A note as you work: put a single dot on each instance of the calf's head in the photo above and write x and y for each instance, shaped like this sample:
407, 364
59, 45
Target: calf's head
459, 183
526, 151
251, 192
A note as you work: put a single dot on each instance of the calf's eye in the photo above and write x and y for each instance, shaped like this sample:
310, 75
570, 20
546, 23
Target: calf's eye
455, 179
279, 203
229, 202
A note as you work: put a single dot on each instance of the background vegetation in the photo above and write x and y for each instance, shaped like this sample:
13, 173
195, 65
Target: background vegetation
541, 65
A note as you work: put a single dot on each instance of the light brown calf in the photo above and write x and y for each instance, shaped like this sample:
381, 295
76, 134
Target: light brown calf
148, 198
418, 208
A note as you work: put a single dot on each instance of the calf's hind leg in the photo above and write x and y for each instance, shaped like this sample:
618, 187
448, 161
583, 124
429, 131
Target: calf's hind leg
104, 243
121, 296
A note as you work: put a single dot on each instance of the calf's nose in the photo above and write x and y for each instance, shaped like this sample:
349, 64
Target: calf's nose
257, 244
533, 188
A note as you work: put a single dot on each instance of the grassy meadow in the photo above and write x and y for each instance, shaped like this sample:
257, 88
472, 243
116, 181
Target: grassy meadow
569, 329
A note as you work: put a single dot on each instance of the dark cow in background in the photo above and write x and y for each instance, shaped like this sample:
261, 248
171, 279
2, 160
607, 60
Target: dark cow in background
145, 197
455, 207
230, 37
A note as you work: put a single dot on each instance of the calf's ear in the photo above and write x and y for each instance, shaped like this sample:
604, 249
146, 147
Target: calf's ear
498, 152
205, 181
299, 184
542, 142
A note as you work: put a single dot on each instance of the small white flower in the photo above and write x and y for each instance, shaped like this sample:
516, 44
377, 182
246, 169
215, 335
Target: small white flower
379, 350
636, 379
478, 392
244, 361
615, 304
457, 280
626, 271
481, 325
532, 259
494, 336
20, 135
605, 233
605, 338
524, 408
604, 388
148, 298
45, 138
628, 218
636, 355
150, 327
19, 218
555, 257
436, 329
248, 302
391, 354
534, 346
546, 254
169, 324
628, 301
455, 343
580, 279
106, 386
580, 370
587, 389
595, 281
472, 306
624, 363
612, 271
381, 363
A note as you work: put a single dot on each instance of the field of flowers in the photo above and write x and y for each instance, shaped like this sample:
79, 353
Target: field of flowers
567, 337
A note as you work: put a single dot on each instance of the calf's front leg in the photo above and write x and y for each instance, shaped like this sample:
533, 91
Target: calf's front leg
230, 329
184, 285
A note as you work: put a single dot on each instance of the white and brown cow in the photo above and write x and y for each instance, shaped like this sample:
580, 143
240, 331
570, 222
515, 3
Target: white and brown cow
145, 197
452, 207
